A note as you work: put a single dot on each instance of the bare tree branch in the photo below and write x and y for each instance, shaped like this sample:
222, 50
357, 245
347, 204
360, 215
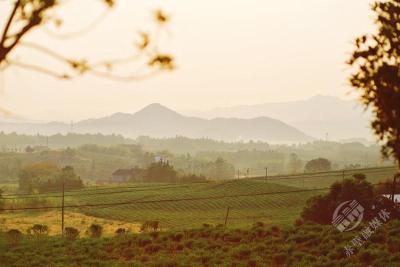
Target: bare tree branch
34, 13
34, 21
9, 22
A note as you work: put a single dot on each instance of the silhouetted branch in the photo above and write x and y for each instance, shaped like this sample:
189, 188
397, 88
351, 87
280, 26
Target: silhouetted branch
9, 22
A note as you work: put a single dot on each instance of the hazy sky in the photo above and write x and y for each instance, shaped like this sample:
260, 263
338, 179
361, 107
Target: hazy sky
228, 53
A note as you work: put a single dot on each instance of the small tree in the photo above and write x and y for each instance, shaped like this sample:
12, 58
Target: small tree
318, 165
14, 237
95, 231
376, 61
121, 232
71, 233
39, 230
320, 209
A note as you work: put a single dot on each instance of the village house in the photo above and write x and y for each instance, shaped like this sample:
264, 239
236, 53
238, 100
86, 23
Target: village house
126, 175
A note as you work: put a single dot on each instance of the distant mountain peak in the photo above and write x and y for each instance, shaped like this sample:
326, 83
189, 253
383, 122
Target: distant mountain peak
156, 109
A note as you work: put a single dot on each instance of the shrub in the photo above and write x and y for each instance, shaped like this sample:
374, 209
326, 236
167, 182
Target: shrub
14, 237
150, 225
71, 233
95, 230
38, 230
319, 209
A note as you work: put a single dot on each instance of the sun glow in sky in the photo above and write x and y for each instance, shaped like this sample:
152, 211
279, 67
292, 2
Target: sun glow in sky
228, 53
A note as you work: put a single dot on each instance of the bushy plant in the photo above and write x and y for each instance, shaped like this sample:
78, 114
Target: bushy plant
95, 231
14, 237
71, 233
150, 225
38, 230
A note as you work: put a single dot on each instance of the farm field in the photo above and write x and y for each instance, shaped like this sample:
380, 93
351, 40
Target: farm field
276, 200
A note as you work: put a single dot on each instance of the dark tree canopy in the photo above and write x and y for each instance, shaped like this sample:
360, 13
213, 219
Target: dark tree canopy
376, 60
318, 165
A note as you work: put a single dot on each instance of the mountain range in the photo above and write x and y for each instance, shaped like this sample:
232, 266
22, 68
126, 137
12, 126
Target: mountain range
159, 121
319, 116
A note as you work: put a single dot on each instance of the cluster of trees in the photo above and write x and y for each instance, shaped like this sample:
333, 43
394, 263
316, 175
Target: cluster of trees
318, 165
164, 172
48, 177
319, 209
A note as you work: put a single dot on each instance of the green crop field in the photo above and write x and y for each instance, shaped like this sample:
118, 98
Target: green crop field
191, 206
275, 200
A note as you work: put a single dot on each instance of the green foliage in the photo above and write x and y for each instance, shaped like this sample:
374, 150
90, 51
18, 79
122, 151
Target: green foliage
376, 59
318, 165
95, 231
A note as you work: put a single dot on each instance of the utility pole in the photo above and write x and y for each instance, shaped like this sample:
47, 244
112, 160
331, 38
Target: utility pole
394, 186
226, 217
62, 209
238, 174
343, 175
266, 172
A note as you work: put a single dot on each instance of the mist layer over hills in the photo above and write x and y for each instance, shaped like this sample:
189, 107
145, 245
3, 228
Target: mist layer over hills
158, 121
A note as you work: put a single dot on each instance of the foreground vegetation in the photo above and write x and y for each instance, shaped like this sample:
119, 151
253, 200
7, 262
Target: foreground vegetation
260, 245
